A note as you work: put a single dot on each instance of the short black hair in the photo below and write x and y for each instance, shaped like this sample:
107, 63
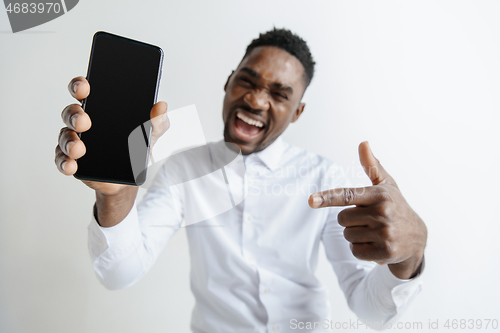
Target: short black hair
291, 43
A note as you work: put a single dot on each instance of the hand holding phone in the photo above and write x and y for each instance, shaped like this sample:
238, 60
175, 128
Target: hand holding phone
93, 146
70, 147
125, 76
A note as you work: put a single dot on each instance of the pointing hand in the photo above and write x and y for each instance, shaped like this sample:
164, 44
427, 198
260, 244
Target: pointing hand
382, 227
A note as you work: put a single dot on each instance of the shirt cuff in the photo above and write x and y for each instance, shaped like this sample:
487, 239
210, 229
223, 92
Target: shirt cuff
400, 291
117, 240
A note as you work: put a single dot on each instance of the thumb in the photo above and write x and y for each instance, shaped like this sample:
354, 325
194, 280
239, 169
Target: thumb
372, 166
159, 120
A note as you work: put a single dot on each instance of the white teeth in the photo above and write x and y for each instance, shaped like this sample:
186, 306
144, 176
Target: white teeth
249, 120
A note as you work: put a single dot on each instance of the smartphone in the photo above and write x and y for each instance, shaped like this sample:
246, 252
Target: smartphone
124, 77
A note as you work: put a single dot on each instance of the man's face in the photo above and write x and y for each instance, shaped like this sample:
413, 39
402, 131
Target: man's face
262, 97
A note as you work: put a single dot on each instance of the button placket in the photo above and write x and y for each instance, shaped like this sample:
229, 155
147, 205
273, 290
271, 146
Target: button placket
251, 183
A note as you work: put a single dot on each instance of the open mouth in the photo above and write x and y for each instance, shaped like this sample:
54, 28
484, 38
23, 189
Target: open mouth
247, 128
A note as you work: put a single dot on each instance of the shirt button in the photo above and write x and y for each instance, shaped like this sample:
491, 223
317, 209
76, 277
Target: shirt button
265, 291
249, 218
275, 328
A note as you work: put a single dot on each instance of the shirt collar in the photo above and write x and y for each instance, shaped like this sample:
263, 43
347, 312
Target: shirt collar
272, 154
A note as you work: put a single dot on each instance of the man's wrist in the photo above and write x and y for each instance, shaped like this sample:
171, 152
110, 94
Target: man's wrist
409, 268
94, 211
109, 210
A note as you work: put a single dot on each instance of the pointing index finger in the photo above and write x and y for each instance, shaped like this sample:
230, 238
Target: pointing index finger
359, 196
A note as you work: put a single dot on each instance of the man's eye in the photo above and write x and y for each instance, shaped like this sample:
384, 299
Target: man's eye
280, 95
244, 79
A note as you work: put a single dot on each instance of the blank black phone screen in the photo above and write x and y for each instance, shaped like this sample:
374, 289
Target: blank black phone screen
124, 77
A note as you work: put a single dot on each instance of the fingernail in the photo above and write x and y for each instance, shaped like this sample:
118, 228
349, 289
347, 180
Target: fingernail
75, 86
69, 145
164, 117
73, 120
317, 200
63, 165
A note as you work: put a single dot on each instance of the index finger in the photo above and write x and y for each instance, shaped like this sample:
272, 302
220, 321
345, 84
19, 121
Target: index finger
79, 88
359, 196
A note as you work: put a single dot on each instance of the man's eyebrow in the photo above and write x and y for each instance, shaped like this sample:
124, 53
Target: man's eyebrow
251, 72
279, 86
276, 85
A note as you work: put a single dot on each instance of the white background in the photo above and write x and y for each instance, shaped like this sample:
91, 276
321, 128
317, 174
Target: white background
418, 79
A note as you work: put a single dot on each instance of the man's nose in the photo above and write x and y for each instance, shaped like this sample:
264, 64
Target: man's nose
257, 99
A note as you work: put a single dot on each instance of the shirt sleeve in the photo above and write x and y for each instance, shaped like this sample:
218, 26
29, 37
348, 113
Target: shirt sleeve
373, 293
124, 253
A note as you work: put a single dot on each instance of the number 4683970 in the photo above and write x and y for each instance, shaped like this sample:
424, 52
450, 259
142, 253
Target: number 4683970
471, 324
32, 8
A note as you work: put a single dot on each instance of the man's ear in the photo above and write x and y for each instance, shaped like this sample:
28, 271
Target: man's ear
228, 78
298, 112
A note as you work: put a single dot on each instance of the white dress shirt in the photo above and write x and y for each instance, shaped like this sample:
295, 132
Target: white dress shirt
253, 265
